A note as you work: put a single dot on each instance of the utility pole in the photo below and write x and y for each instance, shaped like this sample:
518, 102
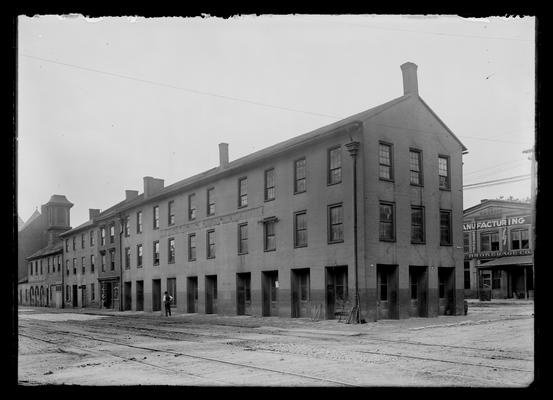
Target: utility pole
353, 148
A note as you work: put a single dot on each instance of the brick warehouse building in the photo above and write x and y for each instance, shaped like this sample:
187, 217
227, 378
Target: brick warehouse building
272, 233
498, 246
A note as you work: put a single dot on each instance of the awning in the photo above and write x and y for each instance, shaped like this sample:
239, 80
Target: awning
508, 261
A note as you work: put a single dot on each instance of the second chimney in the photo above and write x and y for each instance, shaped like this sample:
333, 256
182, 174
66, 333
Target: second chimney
93, 212
410, 84
131, 194
223, 154
152, 185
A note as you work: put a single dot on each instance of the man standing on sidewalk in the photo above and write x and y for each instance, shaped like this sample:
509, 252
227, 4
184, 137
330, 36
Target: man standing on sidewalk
167, 298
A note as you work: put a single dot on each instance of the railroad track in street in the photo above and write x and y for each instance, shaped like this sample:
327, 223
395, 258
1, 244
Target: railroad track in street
177, 353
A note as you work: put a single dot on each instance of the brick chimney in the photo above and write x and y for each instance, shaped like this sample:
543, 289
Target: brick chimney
152, 186
410, 84
131, 194
93, 212
223, 154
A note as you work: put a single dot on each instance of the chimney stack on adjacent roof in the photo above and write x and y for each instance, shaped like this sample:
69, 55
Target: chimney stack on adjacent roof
131, 194
152, 186
223, 154
93, 212
410, 84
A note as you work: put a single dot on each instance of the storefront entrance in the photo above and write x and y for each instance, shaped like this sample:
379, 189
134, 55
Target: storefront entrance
418, 291
211, 294
192, 294
336, 279
387, 282
300, 293
446, 291
269, 289
243, 293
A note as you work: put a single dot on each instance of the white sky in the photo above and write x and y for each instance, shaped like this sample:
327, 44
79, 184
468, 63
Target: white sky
87, 132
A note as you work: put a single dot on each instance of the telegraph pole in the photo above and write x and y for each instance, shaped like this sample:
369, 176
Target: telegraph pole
353, 148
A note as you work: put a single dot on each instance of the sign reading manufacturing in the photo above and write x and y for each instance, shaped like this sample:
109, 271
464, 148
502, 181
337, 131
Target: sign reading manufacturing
496, 223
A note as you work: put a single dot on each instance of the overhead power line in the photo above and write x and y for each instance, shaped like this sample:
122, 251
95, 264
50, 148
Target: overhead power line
511, 179
178, 87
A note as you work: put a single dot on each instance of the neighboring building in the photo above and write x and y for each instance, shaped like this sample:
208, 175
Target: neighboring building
80, 268
498, 246
271, 233
40, 253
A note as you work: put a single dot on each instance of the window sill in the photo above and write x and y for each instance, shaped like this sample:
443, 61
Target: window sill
332, 184
300, 246
191, 259
417, 184
418, 242
335, 241
268, 250
303, 191
387, 240
446, 244
210, 258
445, 189
243, 254
239, 207
268, 200
385, 180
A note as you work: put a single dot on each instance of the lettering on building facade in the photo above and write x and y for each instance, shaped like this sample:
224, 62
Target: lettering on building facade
496, 223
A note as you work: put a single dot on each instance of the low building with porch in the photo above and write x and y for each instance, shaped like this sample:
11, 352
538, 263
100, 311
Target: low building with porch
498, 247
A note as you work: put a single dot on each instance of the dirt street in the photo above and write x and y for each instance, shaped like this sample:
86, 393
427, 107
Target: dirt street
492, 346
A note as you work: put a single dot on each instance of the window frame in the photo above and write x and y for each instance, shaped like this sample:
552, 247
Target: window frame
241, 250
170, 213
420, 171
266, 188
393, 223
190, 210
295, 237
112, 236
189, 241
330, 224
171, 252
155, 217
154, 262
92, 241
139, 222
423, 225
92, 262
127, 257
450, 230
241, 195
127, 226
266, 236
390, 147
210, 192
208, 253
296, 179
139, 255
448, 176
329, 164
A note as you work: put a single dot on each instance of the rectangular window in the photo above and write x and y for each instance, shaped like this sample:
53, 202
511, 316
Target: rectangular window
82, 240
415, 170
102, 236
269, 238
170, 212
171, 250
74, 241
59, 263
48, 264
270, 184
66, 267
243, 238
210, 244
138, 256
191, 206
445, 227
519, 239
127, 257
335, 224
103, 262
300, 229
334, 165
192, 247
211, 201
91, 238
66, 245
387, 223
92, 293
466, 242
112, 260
156, 253
83, 265
489, 241
156, 217
127, 226
74, 267
300, 176
443, 171
139, 222
417, 225
92, 263
385, 162
242, 192
466, 271
112, 233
